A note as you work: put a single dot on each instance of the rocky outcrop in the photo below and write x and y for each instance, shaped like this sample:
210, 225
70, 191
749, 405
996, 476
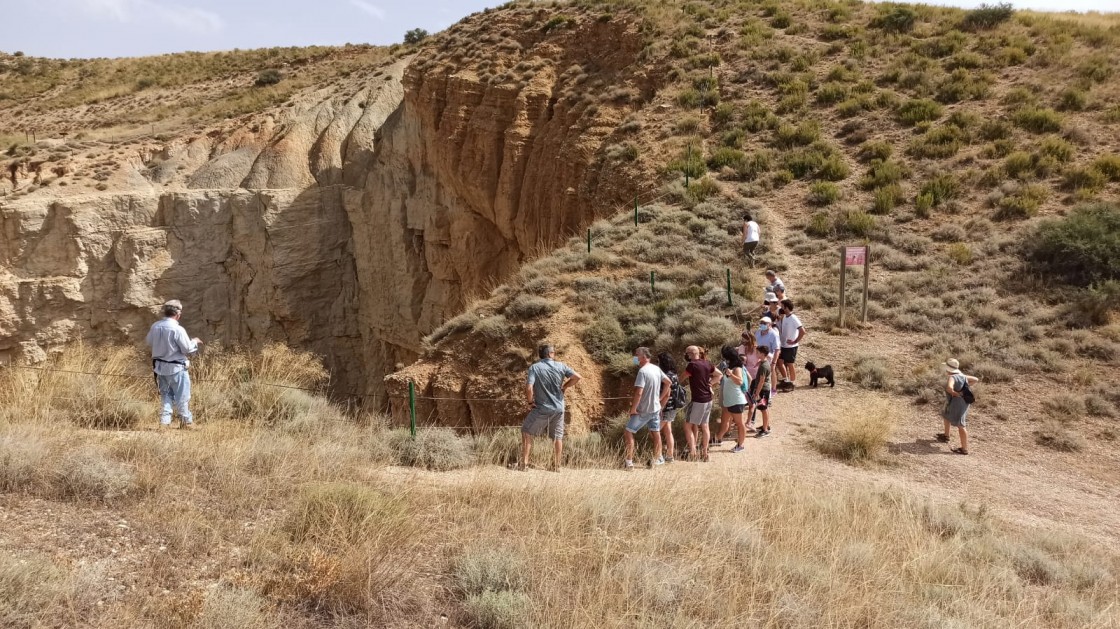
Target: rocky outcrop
349, 224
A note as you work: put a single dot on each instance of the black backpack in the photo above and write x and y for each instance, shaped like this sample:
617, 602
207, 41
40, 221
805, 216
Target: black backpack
678, 397
966, 394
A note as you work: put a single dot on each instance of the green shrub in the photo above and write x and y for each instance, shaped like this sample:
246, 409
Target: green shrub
823, 193
995, 130
855, 223
1082, 248
1097, 68
757, 117
819, 225
726, 157
938, 142
962, 84
723, 114
1056, 147
755, 164
1023, 203
855, 106
918, 110
494, 328
687, 125
690, 163
1096, 304
869, 151
987, 16
417, 35
883, 173
1072, 99
604, 338
1038, 119
802, 134
886, 198
701, 189
895, 19
1084, 180
923, 203
1109, 166
1018, 163
832, 93
959, 253
941, 188
871, 372
268, 77
834, 168
531, 307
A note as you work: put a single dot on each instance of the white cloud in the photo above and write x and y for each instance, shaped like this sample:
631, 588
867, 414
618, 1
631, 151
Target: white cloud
369, 9
182, 17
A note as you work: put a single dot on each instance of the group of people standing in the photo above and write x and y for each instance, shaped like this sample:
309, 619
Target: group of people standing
745, 381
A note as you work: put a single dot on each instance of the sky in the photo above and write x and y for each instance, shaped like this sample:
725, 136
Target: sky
125, 28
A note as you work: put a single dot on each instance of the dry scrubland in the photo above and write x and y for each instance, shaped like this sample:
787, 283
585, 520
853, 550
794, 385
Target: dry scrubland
975, 151
957, 143
281, 511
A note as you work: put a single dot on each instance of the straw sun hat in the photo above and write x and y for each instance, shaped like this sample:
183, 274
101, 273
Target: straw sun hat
952, 366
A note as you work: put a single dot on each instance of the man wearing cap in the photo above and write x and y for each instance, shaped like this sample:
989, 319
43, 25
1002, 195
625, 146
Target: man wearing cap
170, 348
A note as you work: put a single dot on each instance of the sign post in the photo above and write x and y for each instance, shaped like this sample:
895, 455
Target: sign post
854, 256
412, 408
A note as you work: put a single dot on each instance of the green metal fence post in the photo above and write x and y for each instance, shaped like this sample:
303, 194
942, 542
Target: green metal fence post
412, 407
652, 280
729, 301
588, 240
635, 210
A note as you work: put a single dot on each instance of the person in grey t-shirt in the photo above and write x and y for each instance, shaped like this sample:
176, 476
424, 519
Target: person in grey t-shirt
548, 379
651, 391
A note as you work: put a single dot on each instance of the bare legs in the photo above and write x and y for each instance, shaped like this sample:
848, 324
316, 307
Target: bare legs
668, 439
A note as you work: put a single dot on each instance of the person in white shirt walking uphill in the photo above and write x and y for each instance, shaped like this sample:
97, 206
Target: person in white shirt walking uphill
170, 348
791, 332
651, 392
751, 236
548, 380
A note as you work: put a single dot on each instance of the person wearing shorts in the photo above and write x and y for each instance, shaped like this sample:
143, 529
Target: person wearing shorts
548, 380
651, 391
761, 391
791, 332
751, 236
702, 379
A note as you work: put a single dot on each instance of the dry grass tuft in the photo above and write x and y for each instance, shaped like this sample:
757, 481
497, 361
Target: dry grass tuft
860, 433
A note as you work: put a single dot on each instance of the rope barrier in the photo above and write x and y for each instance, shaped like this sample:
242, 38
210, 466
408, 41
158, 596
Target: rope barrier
288, 386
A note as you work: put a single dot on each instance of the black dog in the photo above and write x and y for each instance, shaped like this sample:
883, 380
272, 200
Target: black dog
817, 373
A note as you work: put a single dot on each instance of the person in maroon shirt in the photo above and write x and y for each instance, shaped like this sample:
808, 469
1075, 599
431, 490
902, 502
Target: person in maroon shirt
702, 377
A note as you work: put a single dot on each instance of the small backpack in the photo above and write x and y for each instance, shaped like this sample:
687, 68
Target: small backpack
678, 397
966, 394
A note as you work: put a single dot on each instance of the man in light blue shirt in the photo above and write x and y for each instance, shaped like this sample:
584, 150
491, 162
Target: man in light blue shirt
170, 348
548, 380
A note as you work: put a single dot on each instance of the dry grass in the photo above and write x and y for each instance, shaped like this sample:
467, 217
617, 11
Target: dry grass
336, 534
859, 432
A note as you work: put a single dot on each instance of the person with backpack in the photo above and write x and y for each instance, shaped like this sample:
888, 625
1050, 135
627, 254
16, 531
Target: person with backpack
733, 396
762, 391
958, 397
677, 400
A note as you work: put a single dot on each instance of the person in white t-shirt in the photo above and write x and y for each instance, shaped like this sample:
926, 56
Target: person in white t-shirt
791, 332
751, 236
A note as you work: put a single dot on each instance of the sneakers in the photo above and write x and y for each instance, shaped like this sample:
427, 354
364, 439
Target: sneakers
183, 426
628, 465
761, 433
738, 449
655, 462
669, 460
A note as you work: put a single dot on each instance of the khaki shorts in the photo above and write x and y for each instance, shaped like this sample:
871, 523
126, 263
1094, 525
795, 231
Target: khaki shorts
538, 420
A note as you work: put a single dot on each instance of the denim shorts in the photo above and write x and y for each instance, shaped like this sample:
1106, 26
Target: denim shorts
652, 421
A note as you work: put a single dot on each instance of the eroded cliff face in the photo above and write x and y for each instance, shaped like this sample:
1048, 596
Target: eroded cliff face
350, 224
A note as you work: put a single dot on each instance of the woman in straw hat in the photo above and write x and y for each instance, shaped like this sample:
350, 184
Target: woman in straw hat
956, 408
